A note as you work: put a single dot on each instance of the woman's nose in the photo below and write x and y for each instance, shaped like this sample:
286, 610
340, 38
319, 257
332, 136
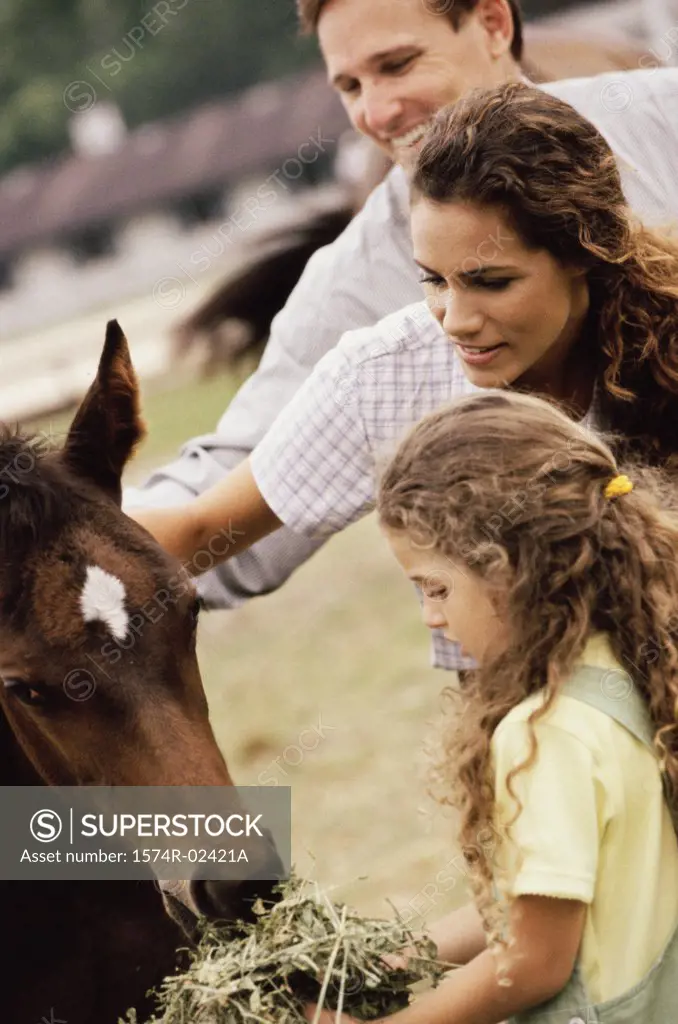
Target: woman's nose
459, 316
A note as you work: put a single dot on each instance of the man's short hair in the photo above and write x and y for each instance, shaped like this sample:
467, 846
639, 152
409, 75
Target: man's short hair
309, 12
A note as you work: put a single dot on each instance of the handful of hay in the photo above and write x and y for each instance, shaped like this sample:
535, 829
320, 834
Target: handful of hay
303, 949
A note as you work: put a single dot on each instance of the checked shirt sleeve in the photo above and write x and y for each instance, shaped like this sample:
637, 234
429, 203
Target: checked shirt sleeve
314, 467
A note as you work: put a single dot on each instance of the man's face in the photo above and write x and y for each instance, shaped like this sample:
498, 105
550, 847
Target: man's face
395, 63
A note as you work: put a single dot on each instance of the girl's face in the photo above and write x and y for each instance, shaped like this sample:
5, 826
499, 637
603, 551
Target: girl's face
514, 314
455, 599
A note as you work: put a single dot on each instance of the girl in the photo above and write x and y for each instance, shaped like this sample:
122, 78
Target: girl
541, 281
559, 576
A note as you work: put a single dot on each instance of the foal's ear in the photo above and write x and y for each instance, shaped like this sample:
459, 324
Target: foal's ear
108, 425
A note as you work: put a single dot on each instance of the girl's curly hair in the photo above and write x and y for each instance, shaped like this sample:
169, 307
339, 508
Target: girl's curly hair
510, 487
552, 174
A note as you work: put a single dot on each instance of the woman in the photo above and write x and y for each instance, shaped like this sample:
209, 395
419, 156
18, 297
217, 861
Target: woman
535, 269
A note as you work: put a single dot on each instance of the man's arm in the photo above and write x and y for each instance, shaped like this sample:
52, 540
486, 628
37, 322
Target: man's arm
365, 274
224, 520
313, 470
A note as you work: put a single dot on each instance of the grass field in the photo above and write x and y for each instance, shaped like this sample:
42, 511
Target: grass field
325, 686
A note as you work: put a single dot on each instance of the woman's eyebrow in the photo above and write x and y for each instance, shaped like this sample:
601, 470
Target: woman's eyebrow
470, 275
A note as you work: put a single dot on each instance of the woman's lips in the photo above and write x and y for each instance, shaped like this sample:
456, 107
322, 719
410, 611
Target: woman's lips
479, 356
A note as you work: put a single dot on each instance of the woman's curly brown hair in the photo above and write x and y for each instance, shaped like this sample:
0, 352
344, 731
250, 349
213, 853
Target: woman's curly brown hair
552, 174
510, 487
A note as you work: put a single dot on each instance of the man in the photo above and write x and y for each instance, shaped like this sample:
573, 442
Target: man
395, 63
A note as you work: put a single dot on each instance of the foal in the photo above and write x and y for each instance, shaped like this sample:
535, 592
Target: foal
99, 685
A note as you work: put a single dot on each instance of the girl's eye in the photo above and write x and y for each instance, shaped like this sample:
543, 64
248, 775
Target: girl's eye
32, 694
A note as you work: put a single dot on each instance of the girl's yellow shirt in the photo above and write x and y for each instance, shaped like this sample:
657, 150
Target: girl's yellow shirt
594, 827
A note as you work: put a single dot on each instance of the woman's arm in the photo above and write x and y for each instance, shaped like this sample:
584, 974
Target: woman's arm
221, 522
547, 934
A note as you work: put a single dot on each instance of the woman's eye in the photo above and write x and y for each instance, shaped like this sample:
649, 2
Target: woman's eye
31, 694
493, 284
432, 279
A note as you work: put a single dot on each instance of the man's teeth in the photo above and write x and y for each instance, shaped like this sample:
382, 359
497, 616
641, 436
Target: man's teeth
409, 138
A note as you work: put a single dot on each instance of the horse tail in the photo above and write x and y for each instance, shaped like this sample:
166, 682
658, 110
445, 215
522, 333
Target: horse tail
235, 318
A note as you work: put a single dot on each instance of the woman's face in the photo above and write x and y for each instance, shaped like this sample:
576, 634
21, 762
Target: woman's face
513, 313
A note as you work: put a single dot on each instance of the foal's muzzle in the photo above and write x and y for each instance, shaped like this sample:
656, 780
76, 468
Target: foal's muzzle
228, 899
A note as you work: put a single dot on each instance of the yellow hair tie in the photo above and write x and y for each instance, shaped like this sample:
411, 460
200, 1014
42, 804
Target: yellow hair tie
617, 486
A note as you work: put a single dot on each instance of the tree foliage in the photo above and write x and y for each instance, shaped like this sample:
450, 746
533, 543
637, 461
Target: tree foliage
154, 59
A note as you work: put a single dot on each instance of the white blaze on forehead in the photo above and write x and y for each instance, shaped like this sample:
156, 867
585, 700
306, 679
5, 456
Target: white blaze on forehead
103, 598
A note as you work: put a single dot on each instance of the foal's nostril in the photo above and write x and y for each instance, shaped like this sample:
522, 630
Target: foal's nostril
233, 900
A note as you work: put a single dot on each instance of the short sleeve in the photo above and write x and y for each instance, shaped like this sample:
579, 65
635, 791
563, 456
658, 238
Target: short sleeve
551, 849
314, 467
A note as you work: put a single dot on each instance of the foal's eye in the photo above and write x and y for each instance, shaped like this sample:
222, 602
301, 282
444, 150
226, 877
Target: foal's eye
32, 694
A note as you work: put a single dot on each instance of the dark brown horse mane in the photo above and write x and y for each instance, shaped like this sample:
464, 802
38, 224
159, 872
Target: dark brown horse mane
35, 499
39, 498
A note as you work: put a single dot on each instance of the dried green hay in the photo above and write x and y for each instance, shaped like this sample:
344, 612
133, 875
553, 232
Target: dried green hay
265, 973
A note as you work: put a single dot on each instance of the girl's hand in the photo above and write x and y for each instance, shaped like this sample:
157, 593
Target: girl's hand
330, 1016
400, 961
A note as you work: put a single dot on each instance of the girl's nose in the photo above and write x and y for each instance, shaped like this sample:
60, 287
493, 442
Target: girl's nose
432, 614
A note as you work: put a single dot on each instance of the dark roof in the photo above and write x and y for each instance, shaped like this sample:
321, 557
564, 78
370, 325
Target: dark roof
157, 163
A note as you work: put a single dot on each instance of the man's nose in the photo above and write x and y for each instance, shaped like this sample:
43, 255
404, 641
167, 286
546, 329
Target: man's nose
380, 112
